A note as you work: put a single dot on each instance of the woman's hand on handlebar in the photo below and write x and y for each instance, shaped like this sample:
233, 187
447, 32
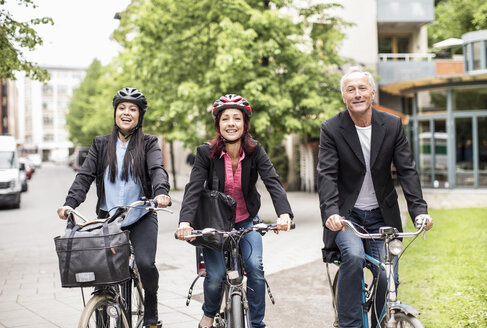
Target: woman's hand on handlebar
283, 223
334, 223
61, 212
184, 230
163, 200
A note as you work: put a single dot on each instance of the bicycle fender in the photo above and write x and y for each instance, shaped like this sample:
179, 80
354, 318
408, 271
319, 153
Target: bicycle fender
406, 309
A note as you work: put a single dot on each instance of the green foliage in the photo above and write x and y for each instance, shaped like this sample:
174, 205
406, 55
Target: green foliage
444, 276
185, 54
456, 17
14, 38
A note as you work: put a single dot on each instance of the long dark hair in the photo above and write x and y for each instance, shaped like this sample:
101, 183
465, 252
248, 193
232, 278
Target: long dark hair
133, 160
217, 144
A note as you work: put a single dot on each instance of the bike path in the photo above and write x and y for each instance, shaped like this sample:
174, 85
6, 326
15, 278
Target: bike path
31, 295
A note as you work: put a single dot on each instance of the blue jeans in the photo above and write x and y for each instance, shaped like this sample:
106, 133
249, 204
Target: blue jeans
353, 249
251, 250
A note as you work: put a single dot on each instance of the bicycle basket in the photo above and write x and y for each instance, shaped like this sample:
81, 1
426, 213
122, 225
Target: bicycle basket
92, 254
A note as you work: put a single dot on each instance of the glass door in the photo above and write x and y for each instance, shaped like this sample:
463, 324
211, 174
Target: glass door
433, 153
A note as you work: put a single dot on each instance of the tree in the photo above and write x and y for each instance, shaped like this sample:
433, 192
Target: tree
187, 53
16, 36
456, 17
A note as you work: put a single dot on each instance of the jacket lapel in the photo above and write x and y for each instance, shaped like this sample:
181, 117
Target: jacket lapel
246, 164
349, 133
219, 170
378, 135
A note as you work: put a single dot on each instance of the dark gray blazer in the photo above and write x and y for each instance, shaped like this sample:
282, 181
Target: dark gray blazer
341, 169
154, 181
253, 165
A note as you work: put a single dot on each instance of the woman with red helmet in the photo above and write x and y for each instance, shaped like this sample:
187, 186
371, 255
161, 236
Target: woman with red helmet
127, 165
238, 160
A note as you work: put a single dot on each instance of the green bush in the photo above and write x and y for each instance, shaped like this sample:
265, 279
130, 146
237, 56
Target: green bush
444, 276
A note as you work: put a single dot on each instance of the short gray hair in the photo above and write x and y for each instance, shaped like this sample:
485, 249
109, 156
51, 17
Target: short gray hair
357, 69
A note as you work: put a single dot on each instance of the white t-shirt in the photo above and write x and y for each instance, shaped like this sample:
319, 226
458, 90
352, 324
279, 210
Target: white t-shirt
367, 199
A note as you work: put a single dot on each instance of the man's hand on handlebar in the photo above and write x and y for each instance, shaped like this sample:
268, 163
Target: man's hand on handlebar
334, 223
184, 230
418, 221
62, 211
163, 200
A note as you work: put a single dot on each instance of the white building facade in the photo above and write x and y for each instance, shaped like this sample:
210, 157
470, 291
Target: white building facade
42, 110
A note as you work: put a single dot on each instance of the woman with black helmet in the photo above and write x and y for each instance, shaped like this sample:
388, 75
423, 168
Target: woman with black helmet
238, 160
126, 165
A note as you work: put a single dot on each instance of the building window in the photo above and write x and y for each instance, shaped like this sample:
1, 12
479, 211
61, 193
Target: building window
394, 44
464, 152
47, 89
482, 137
48, 137
432, 101
476, 55
470, 98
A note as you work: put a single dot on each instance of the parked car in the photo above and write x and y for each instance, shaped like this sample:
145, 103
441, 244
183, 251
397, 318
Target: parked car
36, 159
23, 177
10, 185
28, 167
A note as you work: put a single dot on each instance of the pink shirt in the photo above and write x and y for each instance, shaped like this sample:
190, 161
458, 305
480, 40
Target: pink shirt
233, 185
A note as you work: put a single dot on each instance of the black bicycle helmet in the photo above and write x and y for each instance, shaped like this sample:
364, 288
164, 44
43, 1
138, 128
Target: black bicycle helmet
131, 95
231, 101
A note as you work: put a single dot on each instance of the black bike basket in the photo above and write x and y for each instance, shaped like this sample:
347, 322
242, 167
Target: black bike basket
92, 254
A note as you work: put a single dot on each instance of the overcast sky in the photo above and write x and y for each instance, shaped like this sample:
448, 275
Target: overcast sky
81, 32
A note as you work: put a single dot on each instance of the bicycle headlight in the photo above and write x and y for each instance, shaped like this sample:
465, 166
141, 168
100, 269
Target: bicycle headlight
395, 247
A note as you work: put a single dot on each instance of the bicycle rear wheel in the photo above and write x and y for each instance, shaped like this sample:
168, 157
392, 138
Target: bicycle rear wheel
406, 321
102, 311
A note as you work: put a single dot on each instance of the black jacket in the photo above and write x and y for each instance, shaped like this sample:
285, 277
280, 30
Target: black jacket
254, 164
154, 181
341, 168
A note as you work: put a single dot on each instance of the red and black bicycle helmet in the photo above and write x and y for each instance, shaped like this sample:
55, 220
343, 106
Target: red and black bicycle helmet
131, 95
231, 101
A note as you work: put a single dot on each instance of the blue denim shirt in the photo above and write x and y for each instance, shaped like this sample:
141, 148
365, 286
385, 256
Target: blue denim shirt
121, 192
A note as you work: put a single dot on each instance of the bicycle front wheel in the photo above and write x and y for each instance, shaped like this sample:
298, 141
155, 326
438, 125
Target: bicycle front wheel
102, 311
406, 321
237, 319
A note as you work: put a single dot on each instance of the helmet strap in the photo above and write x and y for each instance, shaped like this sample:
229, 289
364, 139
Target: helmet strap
222, 138
128, 135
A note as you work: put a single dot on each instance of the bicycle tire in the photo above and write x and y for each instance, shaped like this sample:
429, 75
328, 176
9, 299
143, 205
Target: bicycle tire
133, 294
237, 319
95, 314
404, 320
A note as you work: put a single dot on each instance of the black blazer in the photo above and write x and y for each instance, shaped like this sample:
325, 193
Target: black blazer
254, 164
341, 169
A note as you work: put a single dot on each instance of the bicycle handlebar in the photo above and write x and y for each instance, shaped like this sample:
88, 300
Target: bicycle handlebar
260, 227
384, 232
151, 205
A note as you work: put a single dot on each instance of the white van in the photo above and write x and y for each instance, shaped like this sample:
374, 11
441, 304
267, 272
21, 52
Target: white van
10, 185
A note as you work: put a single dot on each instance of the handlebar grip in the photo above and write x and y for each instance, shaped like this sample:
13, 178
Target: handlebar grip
292, 226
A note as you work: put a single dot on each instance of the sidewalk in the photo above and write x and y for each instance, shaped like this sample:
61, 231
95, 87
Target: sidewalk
31, 296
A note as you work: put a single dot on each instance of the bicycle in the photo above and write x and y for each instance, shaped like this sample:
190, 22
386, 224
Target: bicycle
120, 305
394, 314
235, 307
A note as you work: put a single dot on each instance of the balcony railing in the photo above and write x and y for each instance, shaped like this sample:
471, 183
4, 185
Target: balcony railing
405, 66
406, 57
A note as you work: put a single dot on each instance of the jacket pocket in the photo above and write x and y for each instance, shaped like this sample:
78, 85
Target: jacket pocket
391, 199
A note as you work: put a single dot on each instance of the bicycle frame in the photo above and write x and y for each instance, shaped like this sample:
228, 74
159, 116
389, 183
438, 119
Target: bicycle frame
234, 294
117, 299
392, 305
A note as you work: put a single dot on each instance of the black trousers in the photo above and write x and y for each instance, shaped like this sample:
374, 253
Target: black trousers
143, 235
